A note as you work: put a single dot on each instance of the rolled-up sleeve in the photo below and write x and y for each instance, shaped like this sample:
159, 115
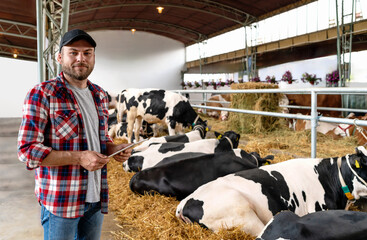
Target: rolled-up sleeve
31, 148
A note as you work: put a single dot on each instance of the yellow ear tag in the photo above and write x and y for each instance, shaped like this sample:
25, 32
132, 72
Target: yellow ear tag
266, 163
207, 129
357, 164
219, 137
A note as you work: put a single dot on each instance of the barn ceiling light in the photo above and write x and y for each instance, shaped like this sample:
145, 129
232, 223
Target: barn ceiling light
15, 55
133, 30
160, 9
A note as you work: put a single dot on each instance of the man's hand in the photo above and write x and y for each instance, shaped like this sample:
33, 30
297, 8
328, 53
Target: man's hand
92, 160
122, 156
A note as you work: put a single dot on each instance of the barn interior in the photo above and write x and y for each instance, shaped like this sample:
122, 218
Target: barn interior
24, 24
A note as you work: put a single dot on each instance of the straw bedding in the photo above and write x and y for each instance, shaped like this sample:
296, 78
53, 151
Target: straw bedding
153, 217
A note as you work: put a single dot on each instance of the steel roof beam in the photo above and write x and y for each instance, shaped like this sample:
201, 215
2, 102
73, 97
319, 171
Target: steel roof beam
17, 47
225, 11
17, 29
24, 52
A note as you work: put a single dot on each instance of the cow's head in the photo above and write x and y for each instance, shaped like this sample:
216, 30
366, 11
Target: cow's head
231, 135
133, 164
358, 164
224, 115
202, 127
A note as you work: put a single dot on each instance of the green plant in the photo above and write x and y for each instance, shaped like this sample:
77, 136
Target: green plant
311, 78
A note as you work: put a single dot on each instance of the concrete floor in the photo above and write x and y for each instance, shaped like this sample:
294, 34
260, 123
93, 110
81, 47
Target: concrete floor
20, 211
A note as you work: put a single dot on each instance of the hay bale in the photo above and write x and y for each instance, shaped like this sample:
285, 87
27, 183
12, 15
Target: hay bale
248, 123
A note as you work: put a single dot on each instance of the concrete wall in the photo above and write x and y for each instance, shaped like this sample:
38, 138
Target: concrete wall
17, 77
123, 60
140, 60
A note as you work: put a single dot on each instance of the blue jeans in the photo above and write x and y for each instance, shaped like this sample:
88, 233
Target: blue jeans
88, 227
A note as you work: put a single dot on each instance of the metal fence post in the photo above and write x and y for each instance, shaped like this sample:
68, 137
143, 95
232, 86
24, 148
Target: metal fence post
313, 123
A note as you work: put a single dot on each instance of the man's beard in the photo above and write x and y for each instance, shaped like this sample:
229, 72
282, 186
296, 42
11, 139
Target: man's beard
70, 71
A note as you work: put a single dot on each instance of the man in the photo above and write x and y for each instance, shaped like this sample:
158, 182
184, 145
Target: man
64, 138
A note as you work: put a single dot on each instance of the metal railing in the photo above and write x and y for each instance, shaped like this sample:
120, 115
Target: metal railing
314, 118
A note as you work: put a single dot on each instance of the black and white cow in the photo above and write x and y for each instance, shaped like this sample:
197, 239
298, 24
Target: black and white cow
157, 152
198, 132
181, 174
325, 225
155, 106
252, 197
119, 130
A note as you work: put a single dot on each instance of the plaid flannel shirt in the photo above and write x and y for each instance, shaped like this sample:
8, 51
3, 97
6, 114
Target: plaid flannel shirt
52, 120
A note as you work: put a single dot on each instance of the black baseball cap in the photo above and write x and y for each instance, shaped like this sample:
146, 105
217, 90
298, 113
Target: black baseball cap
74, 35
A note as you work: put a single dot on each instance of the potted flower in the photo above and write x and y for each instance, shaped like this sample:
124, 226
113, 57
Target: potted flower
206, 84
189, 84
311, 78
270, 79
183, 84
287, 77
220, 83
255, 79
229, 82
214, 84
332, 79
197, 84
240, 80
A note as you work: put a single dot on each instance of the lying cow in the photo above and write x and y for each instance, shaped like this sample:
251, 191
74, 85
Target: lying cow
181, 174
155, 106
325, 225
348, 130
322, 127
335, 130
157, 152
216, 101
251, 198
198, 132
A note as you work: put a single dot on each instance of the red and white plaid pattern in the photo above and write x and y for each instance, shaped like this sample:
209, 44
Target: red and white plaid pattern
52, 120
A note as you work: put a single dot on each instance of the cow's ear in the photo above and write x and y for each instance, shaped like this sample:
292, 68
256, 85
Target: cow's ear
362, 160
217, 135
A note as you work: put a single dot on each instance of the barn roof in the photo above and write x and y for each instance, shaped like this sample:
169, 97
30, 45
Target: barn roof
187, 21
